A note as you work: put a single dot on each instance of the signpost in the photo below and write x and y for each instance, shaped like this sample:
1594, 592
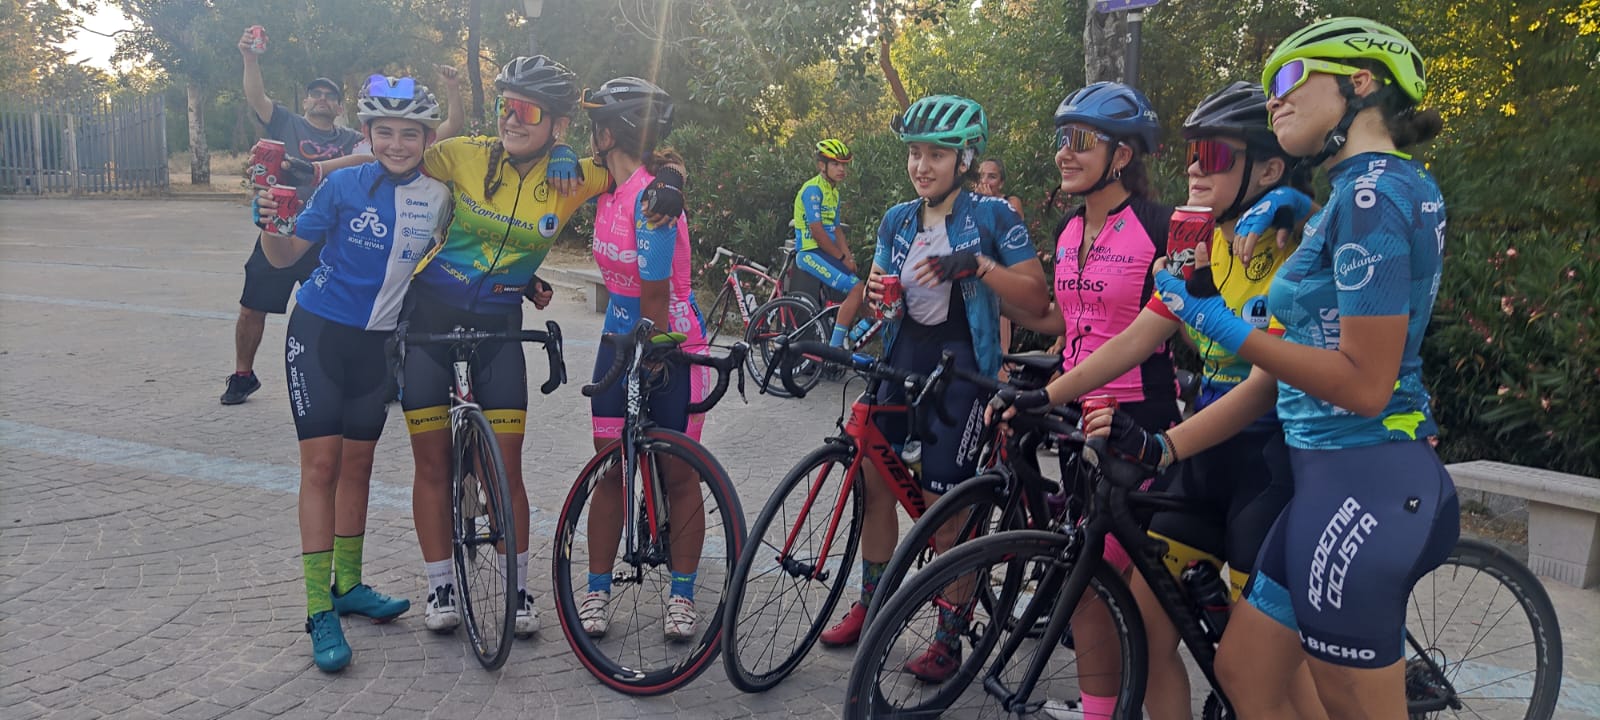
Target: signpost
532, 9
1135, 10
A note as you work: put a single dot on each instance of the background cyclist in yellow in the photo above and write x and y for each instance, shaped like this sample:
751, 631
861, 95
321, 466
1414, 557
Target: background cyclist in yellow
820, 247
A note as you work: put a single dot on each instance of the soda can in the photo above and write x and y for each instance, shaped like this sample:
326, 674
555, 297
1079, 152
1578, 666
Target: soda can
1091, 403
286, 197
894, 300
1191, 226
258, 39
266, 162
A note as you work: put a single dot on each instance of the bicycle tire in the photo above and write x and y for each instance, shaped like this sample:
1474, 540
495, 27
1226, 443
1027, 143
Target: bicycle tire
746, 673
1469, 658
667, 669
783, 316
1016, 551
481, 519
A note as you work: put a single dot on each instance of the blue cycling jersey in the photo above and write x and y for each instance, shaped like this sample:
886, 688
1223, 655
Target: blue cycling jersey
376, 230
1375, 250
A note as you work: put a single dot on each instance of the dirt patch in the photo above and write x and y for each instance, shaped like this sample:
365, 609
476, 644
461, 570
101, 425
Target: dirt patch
227, 173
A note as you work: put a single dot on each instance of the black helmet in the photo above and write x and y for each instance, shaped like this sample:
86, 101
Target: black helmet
546, 81
1240, 110
632, 103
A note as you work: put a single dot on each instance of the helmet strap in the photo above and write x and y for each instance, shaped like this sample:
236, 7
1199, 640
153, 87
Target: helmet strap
1107, 176
963, 161
1340, 134
534, 156
1237, 207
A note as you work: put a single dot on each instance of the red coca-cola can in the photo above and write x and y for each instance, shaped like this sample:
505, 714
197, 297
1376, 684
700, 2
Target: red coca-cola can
894, 298
1091, 403
1191, 226
266, 162
258, 39
288, 199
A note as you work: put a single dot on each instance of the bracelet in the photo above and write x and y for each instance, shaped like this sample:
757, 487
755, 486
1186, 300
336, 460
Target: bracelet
987, 269
1168, 456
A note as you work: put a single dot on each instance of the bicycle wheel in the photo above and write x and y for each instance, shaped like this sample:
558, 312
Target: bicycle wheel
976, 504
1480, 629
634, 656
484, 540
783, 316
1002, 565
779, 601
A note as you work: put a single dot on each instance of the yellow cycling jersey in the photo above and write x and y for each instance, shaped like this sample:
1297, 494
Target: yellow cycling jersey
495, 243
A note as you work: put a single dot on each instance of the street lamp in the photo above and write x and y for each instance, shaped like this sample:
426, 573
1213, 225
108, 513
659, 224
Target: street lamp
532, 9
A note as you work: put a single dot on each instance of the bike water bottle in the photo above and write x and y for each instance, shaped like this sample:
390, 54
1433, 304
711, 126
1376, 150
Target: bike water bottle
911, 453
1209, 594
862, 326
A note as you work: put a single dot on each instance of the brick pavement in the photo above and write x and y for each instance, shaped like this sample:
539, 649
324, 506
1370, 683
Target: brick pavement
148, 552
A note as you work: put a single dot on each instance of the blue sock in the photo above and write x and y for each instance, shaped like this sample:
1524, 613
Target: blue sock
683, 584
838, 336
599, 582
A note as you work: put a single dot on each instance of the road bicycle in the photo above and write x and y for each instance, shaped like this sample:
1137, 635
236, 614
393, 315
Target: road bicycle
482, 524
1471, 617
674, 494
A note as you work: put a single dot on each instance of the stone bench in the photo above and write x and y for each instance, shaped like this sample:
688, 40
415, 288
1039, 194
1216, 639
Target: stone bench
1563, 515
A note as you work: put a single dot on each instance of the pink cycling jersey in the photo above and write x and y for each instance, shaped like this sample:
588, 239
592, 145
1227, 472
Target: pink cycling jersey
1101, 296
625, 260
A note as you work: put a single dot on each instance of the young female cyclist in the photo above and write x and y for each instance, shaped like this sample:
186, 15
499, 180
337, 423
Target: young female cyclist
647, 270
959, 255
505, 216
336, 364
1235, 162
1373, 509
992, 182
1102, 281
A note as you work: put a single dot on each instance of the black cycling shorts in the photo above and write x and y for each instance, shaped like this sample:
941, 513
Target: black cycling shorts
1338, 565
339, 378
266, 288
499, 369
668, 402
1236, 490
949, 450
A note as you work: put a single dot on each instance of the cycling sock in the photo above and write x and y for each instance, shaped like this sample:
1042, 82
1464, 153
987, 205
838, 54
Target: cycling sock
838, 336
347, 562
600, 582
319, 575
871, 572
1095, 707
951, 625
683, 584
440, 573
522, 571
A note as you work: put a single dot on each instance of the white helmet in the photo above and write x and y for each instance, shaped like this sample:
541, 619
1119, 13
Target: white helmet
392, 97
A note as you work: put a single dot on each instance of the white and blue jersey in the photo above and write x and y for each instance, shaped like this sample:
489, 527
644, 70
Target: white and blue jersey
376, 231
1376, 249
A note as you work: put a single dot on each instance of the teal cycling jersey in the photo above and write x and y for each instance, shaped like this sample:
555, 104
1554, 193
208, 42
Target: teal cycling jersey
977, 223
1376, 249
817, 201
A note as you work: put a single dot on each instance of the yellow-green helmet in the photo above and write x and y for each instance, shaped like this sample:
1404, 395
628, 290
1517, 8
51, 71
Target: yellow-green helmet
1349, 38
835, 150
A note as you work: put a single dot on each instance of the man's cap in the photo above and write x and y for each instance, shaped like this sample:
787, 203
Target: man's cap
325, 83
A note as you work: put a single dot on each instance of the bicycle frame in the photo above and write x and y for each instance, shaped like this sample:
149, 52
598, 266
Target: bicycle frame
635, 422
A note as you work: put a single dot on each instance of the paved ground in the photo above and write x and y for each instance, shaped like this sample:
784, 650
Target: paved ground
148, 551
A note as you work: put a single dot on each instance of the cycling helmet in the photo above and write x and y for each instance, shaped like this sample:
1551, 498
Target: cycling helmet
1345, 38
835, 150
947, 120
1239, 109
546, 81
631, 102
1116, 109
397, 97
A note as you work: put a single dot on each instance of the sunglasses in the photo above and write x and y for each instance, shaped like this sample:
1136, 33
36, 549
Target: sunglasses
526, 112
322, 94
378, 86
1078, 139
1295, 73
1214, 156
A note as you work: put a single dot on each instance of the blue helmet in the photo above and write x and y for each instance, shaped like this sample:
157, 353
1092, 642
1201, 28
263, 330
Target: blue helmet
1117, 110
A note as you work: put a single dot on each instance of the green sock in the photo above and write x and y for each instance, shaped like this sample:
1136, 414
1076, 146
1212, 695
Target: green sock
871, 573
347, 562
319, 572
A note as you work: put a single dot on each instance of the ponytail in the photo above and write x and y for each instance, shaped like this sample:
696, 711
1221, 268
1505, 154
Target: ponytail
491, 180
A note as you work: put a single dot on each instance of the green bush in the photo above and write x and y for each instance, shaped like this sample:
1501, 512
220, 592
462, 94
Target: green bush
1510, 356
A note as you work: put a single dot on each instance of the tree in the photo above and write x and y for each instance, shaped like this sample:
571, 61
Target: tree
31, 35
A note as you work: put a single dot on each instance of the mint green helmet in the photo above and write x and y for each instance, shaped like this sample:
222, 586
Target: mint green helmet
950, 121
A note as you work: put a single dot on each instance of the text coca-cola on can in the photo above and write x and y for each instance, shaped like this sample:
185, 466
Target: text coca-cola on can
258, 39
1191, 225
894, 299
287, 199
266, 162
1091, 403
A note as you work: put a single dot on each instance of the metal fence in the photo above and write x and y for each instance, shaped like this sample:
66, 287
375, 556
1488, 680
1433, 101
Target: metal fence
90, 145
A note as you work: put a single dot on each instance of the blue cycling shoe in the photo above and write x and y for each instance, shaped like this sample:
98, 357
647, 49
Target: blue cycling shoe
328, 647
364, 601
